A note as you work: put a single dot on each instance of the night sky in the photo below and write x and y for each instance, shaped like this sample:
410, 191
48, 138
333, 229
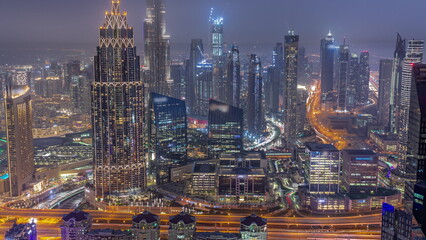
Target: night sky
256, 25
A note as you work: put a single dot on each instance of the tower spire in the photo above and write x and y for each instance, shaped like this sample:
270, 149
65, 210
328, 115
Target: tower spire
115, 8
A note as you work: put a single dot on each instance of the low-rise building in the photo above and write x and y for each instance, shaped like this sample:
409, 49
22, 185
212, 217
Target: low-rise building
75, 225
360, 171
182, 226
26, 231
204, 179
253, 227
108, 234
216, 236
146, 226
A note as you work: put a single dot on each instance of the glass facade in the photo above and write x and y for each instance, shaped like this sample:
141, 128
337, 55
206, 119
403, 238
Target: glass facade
255, 114
168, 134
225, 128
117, 110
360, 170
291, 51
328, 51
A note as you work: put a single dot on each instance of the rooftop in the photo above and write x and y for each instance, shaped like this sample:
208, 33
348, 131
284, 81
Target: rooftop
204, 168
182, 217
359, 152
253, 219
77, 215
146, 216
320, 147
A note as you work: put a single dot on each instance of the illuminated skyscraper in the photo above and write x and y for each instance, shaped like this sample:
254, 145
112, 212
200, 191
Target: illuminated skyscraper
157, 48
117, 110
291, 49
352, 87
395, 93
217, 37
168, 134
203, 88
19, 123
196, 56
276, 78
219, 59
385, 76
233, 77
362, 88
327, 54
255, 114
414, 55
360, 171
225, 128
396, 224
343, 76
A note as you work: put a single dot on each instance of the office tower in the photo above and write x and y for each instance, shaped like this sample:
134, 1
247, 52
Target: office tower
177, 74
168, 135
291, 50
204, 179
203, 88
275, 79
196, 57
302, 97
232, 80
352, 88
225, 128
253, 227
360, 171
19, 128
419, 204
414, 55
324, 168
75, 225
342, 78
145, 226
217, 37
157, 48
362, 88
416, 147
72, 70
327, 53
303, 70
182, 226
117, 110
395, 93
24, 231
255, 116
396, 224
385, 77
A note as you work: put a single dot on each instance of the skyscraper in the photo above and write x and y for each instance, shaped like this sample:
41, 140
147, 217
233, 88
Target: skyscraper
362, 88
352, 87
416, 147
342, 76
385, 77
276, 78
196, 56
233, 77
414, 55
168, 134
396, 224
219, 59
255, 116
291, 49
217, 37
117, 110
327, 53
19, 127
225, 128
157, 48
177, 73
396, 80
203, 88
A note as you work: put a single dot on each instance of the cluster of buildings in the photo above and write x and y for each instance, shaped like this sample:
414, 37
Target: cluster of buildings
146, 225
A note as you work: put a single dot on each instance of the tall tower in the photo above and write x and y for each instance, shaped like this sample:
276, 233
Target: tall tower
385, 76
157, 48
255, 116
362, 89
219, 59
196, 56
327, 53
291, 49
277, 77
19, 123
233, 77
396, 80
342, 76
217, 37
414, 55
117, 110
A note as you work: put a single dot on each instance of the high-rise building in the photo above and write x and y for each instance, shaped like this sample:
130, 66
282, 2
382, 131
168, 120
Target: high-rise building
385, 77
196, 57
414, 55
275, 80
395, 93
24, 231
360, 171
327, 53
117, 110
182, 226
168, 135
302, 97
219, 59
342, 77
352, 88
19, 128
157, 48
177, 74
253, 227
75, 225
362, 88
419, 204
217, 37
416, 147
396, 224
255, 116
324, 168
225, 128
203, 88
232, 80
146, 225
291, 50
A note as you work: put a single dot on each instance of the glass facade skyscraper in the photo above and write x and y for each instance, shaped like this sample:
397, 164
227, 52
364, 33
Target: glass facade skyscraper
225, 128
168, 134
255, 114
385, 76
117, 110
327, 53
203, 88
233, 78
342, 76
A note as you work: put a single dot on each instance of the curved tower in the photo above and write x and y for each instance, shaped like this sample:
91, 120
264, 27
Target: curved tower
117, 110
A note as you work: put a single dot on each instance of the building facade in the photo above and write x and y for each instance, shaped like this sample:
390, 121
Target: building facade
255, 111
396, 224
182, 226
253, 227
327, 54
360, 171
385, 78
145, 225
75, 225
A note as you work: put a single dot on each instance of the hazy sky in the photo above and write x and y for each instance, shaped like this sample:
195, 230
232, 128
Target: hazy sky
367, 24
